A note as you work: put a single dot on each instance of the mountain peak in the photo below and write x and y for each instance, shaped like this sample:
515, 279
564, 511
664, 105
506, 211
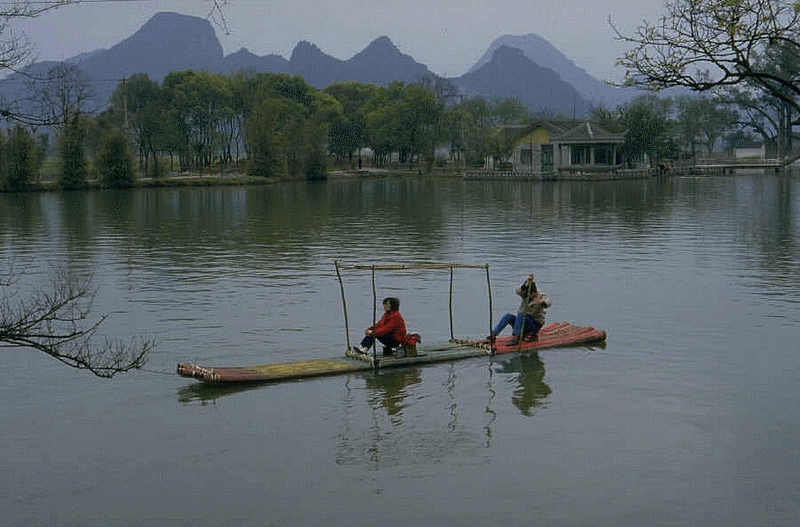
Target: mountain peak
381, 61
305, 52
511, 73
382, 42
382, 48
544, 54
169, 34
168, 26
508, 53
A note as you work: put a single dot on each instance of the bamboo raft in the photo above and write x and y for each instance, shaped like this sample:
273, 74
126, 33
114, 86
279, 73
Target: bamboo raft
555, 335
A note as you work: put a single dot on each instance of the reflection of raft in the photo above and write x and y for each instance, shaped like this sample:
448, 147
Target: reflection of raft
559, 334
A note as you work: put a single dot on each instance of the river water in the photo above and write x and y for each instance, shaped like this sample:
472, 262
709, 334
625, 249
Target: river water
687, 416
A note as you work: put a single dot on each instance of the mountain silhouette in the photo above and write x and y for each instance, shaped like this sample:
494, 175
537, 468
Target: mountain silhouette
510, 73
317, 68
167, 42
243, 60
381, 61
548, 56
175, 42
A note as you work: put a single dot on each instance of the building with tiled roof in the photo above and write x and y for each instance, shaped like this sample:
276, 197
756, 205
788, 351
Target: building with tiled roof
546, 147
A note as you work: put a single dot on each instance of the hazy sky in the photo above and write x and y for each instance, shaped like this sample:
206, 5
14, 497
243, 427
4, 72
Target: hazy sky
446, 35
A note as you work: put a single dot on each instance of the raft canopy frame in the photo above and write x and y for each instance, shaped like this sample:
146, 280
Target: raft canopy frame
407, 267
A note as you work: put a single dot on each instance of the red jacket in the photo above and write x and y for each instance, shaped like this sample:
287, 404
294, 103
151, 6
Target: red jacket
391, 323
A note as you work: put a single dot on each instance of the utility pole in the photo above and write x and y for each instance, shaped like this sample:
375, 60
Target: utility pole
125, 105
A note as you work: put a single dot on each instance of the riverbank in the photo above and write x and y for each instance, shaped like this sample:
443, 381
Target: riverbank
240, 178
237, 178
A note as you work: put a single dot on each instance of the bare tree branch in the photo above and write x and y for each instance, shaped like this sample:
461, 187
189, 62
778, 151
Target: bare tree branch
56, 321
707, 44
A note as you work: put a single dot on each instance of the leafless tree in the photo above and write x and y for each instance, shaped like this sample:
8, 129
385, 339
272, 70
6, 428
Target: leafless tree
64, 94
56, 320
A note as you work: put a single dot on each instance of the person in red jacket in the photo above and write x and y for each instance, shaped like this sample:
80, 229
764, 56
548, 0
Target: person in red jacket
390, 329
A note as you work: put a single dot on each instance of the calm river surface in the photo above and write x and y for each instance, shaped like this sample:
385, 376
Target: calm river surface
689, 415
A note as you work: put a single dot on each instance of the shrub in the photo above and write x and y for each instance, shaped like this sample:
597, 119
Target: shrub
19, 160
73, 159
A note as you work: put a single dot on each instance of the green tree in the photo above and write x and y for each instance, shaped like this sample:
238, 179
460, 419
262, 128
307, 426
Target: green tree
73, 158
508, 110
294, 131
701, 121
453, 128
385, 131
196, 103
137, 104
344, 138
202, 99
477, 130
20, 158
114, 162
405, 120
348, 132
270, 129
424, 118
646, 120
241, 106
42, 147
324, 110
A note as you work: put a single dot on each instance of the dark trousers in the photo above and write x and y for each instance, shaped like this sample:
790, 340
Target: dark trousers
388, 342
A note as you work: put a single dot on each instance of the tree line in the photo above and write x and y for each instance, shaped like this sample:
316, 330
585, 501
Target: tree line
278, 126
275, 125
283, 127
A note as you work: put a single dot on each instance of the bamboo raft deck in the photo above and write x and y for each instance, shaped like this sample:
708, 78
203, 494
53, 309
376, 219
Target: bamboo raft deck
555, 335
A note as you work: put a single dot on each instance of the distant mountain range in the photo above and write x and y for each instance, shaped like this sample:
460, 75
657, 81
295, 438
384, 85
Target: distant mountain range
526, 67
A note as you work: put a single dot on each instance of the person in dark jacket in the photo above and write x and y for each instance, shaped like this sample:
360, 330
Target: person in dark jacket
390, 330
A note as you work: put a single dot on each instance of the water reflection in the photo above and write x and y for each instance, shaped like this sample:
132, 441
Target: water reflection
244, 276
531, 389
209, 393
389, 389
405, 421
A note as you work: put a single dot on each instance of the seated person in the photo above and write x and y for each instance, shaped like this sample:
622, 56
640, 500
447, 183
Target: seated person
390, 329
530, 313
